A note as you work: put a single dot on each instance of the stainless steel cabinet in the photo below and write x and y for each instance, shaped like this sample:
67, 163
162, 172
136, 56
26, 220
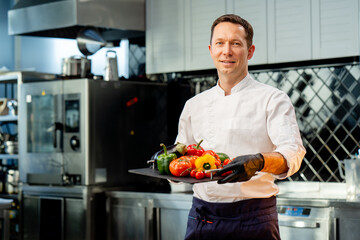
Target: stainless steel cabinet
59, 213
150, 216
348, 221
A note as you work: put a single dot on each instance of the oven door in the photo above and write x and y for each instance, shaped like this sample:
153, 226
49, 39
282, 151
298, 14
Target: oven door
311, 223
41, 132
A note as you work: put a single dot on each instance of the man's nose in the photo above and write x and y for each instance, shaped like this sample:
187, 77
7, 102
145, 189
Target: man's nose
227, 48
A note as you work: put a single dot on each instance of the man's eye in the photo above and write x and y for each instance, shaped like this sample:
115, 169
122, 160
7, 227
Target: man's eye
237, 43
218, 43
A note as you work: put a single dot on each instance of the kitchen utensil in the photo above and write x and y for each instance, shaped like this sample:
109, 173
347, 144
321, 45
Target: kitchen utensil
111, 68
89, 41
212, 171
4, 110
12, 181
11, 147
76, 66
352, 177
12, 106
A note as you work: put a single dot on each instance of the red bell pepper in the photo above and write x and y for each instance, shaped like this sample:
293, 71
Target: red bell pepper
195, 149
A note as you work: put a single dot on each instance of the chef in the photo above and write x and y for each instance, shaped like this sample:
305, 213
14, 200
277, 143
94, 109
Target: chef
255, 125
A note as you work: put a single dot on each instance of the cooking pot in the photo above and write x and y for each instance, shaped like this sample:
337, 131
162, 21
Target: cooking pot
76, 66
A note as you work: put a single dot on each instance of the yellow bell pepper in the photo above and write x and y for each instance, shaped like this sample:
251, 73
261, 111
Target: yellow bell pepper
205, 162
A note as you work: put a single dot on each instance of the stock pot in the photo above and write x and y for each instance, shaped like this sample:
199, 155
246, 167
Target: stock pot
76, 66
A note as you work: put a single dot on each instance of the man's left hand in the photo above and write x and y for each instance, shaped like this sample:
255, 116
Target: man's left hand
242, 167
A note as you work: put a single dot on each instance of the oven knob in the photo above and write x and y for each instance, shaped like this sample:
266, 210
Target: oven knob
74, 143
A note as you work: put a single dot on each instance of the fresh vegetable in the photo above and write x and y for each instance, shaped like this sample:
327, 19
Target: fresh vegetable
163, 161
195, 149
192, 160
199, 175
179, 149
222, 156
180, 167
226, 162
212, 153
193, 173
205, 162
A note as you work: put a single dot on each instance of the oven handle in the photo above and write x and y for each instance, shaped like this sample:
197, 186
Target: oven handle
57, 127
299, 224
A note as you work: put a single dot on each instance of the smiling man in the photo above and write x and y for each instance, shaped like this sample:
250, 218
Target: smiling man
255, 125
230, 52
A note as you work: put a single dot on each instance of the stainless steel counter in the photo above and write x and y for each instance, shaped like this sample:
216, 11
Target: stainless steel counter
137, 215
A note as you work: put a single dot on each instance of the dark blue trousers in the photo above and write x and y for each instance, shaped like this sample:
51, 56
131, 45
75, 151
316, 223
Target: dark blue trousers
247, 219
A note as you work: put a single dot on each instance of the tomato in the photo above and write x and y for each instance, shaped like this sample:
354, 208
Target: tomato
226, 162
208, 175
199, 175
191, 159
180, 167
193, 173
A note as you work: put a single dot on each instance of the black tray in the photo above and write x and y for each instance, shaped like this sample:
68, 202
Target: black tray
150, 172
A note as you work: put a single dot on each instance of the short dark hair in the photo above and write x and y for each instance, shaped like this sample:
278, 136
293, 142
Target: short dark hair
236, 20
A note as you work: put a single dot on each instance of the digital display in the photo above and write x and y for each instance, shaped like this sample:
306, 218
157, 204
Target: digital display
294, 211
72, 116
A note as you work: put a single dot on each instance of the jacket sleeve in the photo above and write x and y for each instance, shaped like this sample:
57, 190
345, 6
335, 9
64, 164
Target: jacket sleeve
287, 140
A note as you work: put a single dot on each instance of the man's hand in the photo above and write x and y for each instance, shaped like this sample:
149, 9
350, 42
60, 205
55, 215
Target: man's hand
243, 167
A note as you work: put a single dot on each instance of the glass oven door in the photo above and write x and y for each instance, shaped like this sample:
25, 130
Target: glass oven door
40, 122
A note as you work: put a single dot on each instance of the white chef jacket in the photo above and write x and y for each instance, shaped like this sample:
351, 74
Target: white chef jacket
255, 118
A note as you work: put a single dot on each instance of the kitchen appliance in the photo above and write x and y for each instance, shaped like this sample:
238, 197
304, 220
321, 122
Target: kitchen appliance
300, 221
76, 66
115, 19
90, 132
352, 177
111, 67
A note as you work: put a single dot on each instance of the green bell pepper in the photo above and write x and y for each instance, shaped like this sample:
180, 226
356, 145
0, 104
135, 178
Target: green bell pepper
163, 161
222, 156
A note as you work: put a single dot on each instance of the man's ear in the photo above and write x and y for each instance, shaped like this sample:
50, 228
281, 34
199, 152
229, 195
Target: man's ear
251, 51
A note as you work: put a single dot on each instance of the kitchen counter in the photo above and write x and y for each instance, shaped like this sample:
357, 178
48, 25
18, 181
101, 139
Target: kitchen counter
315, 194
302, 193
144, 215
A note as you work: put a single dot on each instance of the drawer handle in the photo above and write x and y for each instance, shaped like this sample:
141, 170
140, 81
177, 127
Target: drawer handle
299, 224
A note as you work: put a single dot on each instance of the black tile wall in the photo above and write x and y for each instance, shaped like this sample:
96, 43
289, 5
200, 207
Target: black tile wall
327, 105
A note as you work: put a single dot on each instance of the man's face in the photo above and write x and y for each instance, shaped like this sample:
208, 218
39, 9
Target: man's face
229, 50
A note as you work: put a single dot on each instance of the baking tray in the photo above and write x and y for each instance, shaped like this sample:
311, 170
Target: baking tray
150, 172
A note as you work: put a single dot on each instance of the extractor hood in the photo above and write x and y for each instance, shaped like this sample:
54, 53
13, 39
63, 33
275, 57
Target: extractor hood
115, 19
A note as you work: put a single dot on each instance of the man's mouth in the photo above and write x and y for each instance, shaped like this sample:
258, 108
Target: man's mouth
227, 61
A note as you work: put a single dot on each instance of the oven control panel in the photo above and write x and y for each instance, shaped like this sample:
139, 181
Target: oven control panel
294, 211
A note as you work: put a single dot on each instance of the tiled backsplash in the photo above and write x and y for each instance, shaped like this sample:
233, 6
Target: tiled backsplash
327, 105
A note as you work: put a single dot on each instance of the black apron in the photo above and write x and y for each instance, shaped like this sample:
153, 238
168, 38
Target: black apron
247, 219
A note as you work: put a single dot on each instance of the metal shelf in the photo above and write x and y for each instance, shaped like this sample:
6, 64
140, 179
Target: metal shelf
8, 118
9, 156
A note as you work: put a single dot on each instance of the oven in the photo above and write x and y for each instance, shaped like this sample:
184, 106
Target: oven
89, 132
305, 219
